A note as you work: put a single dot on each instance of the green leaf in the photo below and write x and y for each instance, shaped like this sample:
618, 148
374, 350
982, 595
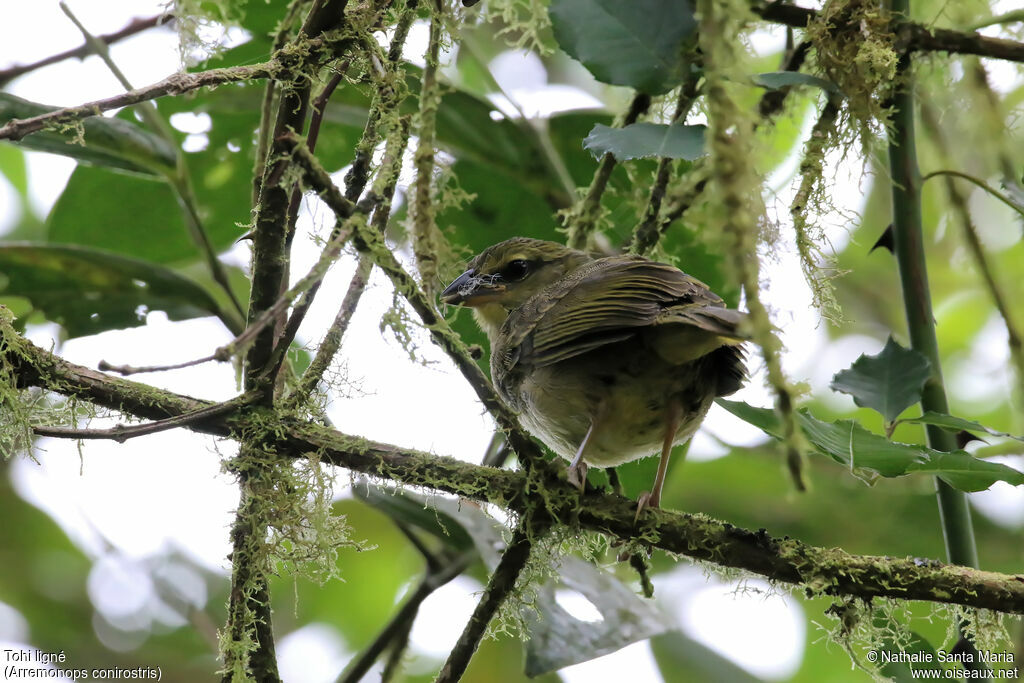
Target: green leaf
776, 80
89, 291
956, 424
415, 511
101, 141
130, 215
636, 43
868, 455
849, 443
889, 383
558, 639
647, 140
682, 659
764, 419
12, 167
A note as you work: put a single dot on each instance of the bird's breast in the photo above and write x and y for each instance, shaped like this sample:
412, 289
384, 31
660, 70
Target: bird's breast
624, 394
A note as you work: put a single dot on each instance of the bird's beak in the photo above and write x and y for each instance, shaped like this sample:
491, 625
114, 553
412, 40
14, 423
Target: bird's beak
470, 289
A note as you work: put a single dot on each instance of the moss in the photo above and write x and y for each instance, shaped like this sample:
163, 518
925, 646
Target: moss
740, 210
525, 24
854, 49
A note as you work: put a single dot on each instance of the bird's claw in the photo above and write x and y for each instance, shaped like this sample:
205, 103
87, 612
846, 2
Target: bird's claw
644, 500
577, 475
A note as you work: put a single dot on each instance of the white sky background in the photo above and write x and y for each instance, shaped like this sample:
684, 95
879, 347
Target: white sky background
128, 505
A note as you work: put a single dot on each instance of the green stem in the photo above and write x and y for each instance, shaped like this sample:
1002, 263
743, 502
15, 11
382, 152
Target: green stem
1005, 199
908, 238
909, 250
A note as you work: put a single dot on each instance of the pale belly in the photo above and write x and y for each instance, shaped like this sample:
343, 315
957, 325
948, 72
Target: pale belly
627, 400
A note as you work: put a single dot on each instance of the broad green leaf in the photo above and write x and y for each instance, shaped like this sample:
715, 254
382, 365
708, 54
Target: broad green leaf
774, 80
867, 454
638, 43
764, 419
131, 215
956, 424
89, 291
101, 141
849, 443
889, 383
647, 140
558, 639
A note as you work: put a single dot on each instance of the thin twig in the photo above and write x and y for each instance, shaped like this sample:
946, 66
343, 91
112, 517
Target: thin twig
175, 84
425, 235
647, 233
1004, 198
134, 26
583, 217
125, 370
499, 586
1014, 340
179, 181
442, 334
121, 433
241, 342
402, 619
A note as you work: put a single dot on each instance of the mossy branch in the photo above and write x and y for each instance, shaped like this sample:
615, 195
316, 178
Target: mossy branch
581, 220
372, 243
425, 235
912, 36
650, 229
828, 571
499, 586
730, 133
810, 240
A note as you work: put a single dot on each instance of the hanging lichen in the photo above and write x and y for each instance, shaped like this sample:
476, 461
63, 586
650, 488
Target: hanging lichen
739, 208
853, 46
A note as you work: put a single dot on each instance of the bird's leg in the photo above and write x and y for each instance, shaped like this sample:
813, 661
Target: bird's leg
673, 416
578, 468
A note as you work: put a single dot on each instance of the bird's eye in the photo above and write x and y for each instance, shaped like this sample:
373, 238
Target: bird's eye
515, 270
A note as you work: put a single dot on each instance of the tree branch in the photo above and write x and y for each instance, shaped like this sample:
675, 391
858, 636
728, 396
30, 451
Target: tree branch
499, 586
829, 571
912, 36
440, 332
175, 84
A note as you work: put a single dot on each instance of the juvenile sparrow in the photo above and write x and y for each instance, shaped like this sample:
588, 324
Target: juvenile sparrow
606, 360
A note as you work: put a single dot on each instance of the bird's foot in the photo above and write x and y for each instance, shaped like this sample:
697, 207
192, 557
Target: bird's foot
644, 501
577, 474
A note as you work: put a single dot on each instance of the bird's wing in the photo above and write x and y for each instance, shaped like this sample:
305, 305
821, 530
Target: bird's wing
613, 299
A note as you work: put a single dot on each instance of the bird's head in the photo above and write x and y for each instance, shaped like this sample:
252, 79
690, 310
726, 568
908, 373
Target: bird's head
506, 275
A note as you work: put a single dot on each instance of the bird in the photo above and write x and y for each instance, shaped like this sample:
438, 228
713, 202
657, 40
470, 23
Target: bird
606, 360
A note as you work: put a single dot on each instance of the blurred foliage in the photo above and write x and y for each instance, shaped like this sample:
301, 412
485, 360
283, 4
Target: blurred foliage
124, 228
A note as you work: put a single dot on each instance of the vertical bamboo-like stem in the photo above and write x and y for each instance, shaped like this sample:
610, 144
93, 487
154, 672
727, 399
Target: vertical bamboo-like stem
908, 246
917, 303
